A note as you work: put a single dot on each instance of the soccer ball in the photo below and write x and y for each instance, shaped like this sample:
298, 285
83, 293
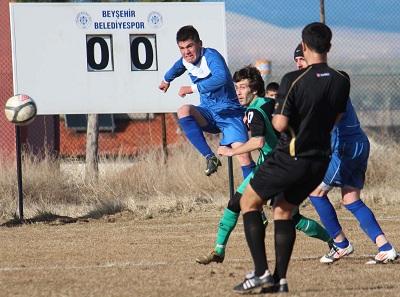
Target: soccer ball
20, 109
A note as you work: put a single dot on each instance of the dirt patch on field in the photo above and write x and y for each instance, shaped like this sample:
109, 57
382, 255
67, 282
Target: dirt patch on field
119, 255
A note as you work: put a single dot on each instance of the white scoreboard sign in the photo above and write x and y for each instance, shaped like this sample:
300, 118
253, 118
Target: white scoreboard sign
106, 57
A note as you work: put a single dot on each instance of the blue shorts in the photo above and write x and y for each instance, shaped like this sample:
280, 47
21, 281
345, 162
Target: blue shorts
347, 166
230, 125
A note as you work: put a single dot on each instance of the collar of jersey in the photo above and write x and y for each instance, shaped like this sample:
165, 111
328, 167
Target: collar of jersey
200, 69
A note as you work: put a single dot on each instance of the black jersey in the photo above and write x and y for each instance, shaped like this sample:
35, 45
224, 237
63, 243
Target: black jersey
255, 119
311, 98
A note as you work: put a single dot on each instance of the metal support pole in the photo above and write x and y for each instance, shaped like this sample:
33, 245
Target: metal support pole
231, 178
164, 137
19, 173
322, 11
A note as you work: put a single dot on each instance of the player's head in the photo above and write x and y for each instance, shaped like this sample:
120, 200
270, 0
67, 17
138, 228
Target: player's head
271, 91
299, 57
317, 38
189, 43
248, 84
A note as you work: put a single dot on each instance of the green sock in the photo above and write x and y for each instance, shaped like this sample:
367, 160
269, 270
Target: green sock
226, 225
310, 227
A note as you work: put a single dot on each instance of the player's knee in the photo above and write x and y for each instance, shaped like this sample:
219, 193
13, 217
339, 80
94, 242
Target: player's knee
183, 111
234, 203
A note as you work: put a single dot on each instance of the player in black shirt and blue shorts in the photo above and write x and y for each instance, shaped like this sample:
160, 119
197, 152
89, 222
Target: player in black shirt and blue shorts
309, 103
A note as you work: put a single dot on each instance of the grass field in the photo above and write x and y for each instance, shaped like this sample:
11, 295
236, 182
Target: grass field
137, 229
120, 255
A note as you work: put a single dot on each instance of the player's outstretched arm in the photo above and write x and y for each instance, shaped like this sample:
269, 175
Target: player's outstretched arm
254, 143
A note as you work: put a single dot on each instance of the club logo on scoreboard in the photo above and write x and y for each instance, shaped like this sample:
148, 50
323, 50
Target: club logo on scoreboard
155, 19
83, 20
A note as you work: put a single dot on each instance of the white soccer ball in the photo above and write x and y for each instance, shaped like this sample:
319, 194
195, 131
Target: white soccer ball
20, 109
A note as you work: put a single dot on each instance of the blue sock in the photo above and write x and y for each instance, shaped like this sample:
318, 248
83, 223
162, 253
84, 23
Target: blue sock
247, 169
366, 219
195, 135
386, 247
343, 244
327, 215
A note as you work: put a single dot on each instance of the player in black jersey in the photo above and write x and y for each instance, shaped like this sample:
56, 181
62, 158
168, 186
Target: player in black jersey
309, 102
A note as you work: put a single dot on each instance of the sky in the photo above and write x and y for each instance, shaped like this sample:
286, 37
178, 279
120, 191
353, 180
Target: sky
377, 15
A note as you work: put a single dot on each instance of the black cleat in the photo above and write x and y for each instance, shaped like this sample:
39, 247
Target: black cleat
212, 165
255, 285
280, 287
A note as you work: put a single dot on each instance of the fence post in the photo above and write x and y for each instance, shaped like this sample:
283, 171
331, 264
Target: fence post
322, 11
164, 137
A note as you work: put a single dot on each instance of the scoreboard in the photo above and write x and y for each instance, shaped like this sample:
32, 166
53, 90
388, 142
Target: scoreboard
78, 58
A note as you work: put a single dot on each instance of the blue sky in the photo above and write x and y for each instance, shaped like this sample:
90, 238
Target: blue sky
379, 15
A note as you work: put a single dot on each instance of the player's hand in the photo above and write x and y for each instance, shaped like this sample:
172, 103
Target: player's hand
245, 120
163, 86
183, 91
225, 151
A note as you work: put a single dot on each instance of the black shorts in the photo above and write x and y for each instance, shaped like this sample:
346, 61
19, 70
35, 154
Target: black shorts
296, 178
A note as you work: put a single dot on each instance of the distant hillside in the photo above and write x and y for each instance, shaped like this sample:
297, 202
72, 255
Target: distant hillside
250, 39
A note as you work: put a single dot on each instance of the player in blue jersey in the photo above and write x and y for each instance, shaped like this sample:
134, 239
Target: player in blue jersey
219, 109
350, 151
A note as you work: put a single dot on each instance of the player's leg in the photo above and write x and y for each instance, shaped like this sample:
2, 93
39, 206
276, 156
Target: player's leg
305, 174
234, 133
226, 225
368, 223
251, 206
311, 227
356, 159
341, 245
193, 121
284, 238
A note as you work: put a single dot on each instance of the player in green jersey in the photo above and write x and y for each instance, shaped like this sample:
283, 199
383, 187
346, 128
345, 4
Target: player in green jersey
250, 90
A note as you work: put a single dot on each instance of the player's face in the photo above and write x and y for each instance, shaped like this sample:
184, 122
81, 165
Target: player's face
190, 50
300, 62
272, 94
245, 95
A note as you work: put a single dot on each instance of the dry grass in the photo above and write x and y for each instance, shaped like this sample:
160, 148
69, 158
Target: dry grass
147, 187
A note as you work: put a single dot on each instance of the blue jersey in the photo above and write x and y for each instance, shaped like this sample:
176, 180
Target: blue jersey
211, 79
348, 129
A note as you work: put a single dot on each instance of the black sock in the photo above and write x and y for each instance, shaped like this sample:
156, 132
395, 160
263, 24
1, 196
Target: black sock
285, 236
255, 235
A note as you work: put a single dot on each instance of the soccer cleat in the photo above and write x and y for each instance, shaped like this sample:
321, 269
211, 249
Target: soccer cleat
279, 287
282, 286
386, 256
336, 253
211, 257
212, 165
255, 285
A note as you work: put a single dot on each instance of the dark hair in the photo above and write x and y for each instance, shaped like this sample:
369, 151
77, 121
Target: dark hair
186, 33
253, 75
272, 86
317, 36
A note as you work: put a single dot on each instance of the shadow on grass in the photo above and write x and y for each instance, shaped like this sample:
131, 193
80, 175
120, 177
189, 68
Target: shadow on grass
49, 218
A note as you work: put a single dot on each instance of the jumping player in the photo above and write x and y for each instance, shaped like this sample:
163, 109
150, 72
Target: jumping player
309, 102
219, 109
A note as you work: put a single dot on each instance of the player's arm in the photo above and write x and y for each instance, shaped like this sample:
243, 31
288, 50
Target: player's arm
218, 76
176, 70
256, 124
